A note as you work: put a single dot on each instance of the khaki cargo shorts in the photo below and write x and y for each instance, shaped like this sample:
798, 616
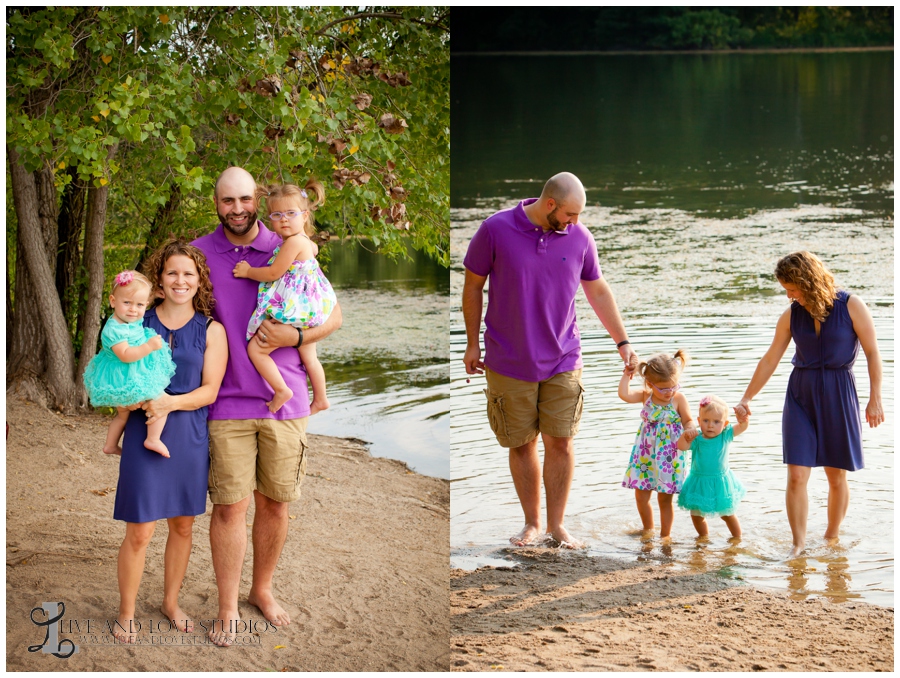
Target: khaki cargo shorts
256, 454
519, 410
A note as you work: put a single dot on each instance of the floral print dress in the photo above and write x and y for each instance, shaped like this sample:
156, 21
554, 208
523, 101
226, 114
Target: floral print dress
656, 462
302, 297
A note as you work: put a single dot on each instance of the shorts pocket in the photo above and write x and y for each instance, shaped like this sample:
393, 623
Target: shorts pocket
579, 407
496, 415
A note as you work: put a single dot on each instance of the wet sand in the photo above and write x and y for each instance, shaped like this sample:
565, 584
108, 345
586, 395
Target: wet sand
565, 611
363, 574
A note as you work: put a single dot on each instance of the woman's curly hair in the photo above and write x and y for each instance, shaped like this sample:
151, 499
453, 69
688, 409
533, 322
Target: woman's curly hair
816, 283
156, 263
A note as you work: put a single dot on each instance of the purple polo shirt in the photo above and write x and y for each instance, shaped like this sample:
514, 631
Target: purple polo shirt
244, 392
530, 328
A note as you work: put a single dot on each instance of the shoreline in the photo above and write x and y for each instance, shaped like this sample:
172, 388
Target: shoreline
566, 611
362, 575
670, 52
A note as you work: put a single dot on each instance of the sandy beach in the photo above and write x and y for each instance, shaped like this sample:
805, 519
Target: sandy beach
363, 573
565, 611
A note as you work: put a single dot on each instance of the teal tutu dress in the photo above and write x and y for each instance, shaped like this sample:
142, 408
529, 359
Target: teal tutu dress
711, 489
112, 383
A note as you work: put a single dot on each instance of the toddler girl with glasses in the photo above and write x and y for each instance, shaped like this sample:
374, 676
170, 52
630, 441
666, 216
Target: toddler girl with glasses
292, 289
711, 489
656, 464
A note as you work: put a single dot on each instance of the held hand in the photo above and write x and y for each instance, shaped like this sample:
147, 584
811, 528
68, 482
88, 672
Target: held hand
241, 270
159, 407
742, 409
742, 414
155, 343
472, 360
273, 334
629, 371
874, 413
691, 433
629, 357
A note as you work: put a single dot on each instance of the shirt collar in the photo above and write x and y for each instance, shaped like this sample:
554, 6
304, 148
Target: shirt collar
523, 223
265, 240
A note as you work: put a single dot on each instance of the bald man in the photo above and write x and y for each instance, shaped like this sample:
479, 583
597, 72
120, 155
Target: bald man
536, 255
252, 451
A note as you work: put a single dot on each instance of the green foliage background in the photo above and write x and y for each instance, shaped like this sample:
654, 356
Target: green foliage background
494, 29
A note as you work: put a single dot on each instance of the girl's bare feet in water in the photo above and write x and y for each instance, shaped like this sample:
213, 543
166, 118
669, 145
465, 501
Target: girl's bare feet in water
124, 630
281, 397
318, 404
157, 446
527, 536
177, 616
565, 540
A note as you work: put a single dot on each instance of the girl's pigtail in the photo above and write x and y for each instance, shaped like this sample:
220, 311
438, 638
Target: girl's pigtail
315, 186
683, 356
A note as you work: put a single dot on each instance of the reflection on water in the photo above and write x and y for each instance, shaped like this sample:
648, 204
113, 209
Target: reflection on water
387, 367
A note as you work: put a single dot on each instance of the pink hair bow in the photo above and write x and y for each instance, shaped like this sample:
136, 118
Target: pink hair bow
303, 193
124, 278
706, 400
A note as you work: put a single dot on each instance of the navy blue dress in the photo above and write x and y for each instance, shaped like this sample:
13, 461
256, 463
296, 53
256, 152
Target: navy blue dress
821, 424
150, 486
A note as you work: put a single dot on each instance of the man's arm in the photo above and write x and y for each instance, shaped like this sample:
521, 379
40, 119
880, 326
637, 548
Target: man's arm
601, 299
472, 305
278, 335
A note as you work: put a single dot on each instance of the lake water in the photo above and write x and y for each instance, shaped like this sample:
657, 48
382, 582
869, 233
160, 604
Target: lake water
387, 366
701, 171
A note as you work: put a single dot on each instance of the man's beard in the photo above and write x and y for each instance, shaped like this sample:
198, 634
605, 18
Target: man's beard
554, 222
250, 223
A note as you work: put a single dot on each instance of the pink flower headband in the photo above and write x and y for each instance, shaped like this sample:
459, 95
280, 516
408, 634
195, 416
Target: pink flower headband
125, 278
706, 400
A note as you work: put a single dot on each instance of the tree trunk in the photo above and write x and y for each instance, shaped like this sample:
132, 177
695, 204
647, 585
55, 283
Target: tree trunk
93, 263
164, 218
69, 228
46, 309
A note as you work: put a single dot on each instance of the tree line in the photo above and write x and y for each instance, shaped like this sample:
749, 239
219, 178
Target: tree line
119, 119
553, 29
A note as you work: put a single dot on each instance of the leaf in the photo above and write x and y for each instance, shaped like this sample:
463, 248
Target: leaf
104, 112
95, 118
279, 647
362, 101
106, 59
392, 125
164, 18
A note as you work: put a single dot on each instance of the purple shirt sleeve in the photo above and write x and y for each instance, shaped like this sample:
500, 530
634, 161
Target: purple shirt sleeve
480, 255
591, 269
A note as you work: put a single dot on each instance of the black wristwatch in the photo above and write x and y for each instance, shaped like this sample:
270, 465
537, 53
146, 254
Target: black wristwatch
299, 338
622, 343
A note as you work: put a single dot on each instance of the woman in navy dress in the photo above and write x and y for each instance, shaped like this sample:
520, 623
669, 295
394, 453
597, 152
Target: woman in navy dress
152, 487
821, 424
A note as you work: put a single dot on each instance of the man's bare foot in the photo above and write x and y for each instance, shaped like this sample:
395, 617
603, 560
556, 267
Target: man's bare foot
527, 536
114, 449
272, 611
177, 616
124, 630
281, 397
566, 540
795, 551
157, 446
318, 404
224, 628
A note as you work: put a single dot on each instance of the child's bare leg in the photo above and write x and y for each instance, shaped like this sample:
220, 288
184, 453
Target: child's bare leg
316, 378
700, 525
642, 499
734, 525
268, 370
115, 431
154, 431
666, 513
